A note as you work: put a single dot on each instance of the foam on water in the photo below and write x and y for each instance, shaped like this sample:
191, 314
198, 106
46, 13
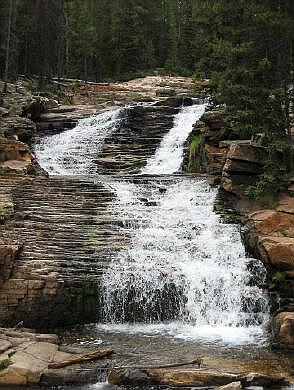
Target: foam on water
186, 272
73, 152
183, 263
169, 156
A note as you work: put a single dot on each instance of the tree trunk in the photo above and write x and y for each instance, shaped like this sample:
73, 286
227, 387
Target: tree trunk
8, 41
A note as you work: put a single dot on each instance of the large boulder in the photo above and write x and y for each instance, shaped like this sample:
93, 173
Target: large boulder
279, 252
37, 106
244, 164
284, 330
17, 127
269, 222
251, 153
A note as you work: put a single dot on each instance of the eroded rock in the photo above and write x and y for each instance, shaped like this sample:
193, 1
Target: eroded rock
279, 251
284, 329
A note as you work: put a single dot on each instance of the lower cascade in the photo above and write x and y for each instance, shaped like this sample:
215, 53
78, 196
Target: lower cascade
182, 271
183, 262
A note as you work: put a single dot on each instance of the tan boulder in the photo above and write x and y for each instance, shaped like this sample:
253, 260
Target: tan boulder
192, 377
28, 366
4, 345
284, 329
29, 363
11, 377
14, 150
271, 222
246, 152
279, 251
42, 350
231, 386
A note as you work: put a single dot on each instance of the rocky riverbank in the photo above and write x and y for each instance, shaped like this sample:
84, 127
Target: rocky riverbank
268, 222
30, 358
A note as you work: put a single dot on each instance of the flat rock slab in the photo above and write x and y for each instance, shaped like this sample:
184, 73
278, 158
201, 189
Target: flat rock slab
27, 358
189, 377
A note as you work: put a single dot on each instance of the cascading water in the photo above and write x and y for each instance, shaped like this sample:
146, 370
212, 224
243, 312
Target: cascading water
184, 272
73, 152
183, 265
168, 158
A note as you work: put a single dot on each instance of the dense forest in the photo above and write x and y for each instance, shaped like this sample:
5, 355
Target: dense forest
246, 48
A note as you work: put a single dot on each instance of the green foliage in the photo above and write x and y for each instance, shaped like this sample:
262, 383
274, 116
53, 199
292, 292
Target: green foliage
5, 364
278, 277
195, 161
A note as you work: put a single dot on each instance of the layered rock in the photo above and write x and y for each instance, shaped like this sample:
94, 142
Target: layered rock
244, 163
53, 251
209, 155
63, 117
127, 149
18, 128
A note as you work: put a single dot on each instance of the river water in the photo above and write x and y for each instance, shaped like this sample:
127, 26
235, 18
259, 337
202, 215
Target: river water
184, 285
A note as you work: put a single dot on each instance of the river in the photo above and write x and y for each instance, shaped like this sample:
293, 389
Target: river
183, 285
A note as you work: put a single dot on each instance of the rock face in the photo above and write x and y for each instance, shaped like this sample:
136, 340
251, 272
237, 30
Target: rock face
270, 236
210, 155
52, 279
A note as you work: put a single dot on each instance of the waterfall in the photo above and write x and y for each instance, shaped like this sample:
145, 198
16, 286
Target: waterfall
184, 272
184, 268
169, 155
73, 152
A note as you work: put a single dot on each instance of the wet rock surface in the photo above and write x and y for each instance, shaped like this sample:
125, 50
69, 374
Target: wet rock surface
27, 357
128, 149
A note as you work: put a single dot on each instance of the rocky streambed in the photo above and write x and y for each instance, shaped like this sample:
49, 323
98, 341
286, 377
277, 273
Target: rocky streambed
114, 236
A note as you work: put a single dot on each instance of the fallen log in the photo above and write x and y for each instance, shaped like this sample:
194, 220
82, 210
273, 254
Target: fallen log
82, 358
198, 361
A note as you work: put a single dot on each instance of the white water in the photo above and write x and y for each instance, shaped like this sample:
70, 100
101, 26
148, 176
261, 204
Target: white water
185, 273
73, 152
181, 248
169, 156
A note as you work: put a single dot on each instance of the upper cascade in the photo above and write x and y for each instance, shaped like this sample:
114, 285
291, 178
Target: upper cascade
169, 156
73, 151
